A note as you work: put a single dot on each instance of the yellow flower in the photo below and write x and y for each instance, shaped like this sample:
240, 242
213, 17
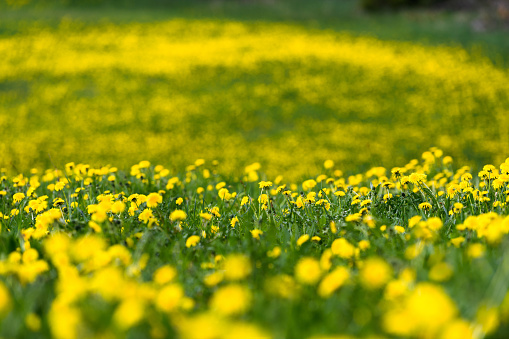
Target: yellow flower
215, 211
234, 221
169, 298
302, 239
236, 267
457, 207
63, 320
178, 215
364, 244
5, 299
458, 329
224, 194
308, 184
144, 164
328, 164
416, 178
333, 227
263, 199
245, 330
457, 241
440, 272
375, 273
118, 207
488, 319
308, 271
253, 167
129, 313
353, 217
365, 202
395, 289
476, 250
425, 206
95, 226
414, 220
17, 197
33, 322
213, 279
86, 247
387, 196
342, 248
59, 186
425, 311
265, 184
179, 201
244, 201
146, 215
153, 199
206, 216
231, 300
209, 325
192, 241
332, 281
274, 253
399, 229
413, 251
256, 233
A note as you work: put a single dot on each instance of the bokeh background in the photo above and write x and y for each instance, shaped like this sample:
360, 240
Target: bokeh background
286, 83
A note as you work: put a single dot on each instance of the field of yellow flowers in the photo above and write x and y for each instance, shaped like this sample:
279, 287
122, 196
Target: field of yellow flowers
257, 205
286, 96
418, 251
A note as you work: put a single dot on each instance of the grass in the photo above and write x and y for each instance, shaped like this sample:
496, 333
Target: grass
146, 252
258, 206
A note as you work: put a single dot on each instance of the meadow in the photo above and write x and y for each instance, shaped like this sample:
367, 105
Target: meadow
209, 174
417, 251
105, 92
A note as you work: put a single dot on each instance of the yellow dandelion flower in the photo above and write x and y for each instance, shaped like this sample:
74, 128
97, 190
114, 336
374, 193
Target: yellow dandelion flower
332, 281
192, 241
17, 197
169, 298
129, 313
274, 253
153, 199
425, 206
302, 239
256, 233
308, 271
244, 201
440, 272
375, 273
236, 267
342, 248
178, 215
231, 300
